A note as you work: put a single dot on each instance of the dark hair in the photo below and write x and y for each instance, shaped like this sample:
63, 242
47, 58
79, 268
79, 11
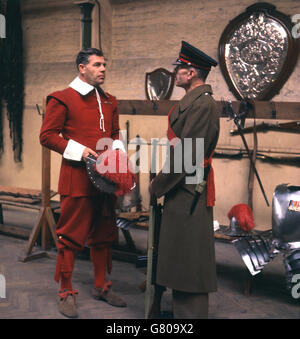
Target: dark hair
84, 55
201, 73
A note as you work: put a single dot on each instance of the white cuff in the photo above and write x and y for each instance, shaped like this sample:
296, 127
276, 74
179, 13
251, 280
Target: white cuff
73, 151
118, 144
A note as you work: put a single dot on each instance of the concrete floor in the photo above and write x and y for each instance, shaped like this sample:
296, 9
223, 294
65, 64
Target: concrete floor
31, 290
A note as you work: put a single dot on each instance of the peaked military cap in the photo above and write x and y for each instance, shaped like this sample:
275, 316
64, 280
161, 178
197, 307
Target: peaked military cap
192, 56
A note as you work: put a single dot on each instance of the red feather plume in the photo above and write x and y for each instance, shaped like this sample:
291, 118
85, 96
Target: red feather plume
114, 165
244, 216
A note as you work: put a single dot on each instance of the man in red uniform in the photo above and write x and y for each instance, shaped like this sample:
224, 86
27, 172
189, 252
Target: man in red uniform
76, 119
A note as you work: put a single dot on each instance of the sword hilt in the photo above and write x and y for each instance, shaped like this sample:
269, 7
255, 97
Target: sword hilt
200, 187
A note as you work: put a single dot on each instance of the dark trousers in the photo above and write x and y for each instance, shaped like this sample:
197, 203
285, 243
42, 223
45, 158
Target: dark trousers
190, 305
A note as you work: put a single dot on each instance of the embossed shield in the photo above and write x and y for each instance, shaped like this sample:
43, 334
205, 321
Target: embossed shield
257, 52
159, 84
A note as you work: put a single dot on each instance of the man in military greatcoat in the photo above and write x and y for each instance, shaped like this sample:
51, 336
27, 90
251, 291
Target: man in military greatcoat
186, 253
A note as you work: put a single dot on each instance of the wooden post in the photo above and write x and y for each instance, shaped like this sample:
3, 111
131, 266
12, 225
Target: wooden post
46, 222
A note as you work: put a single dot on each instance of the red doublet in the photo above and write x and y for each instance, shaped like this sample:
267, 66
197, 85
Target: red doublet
86, 214
77, 117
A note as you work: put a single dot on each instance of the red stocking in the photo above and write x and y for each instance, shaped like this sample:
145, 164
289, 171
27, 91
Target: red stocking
100, 258
64, 268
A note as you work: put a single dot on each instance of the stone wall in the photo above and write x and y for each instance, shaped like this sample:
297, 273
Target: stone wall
147, 35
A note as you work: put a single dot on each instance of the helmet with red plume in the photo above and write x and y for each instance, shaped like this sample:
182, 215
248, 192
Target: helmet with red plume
241, 216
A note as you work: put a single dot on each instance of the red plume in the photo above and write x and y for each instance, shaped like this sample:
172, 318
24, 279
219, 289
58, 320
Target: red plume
114, 165
244, 216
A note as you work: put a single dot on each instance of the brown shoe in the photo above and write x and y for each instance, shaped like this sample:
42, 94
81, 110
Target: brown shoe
67, 303
107, 295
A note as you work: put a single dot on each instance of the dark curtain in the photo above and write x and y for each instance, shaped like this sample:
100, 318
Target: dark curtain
12, 77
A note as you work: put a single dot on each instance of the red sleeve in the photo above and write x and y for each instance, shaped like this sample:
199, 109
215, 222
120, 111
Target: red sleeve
115, 121
52, 126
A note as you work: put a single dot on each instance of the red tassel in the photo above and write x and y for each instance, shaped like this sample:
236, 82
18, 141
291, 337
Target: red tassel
65, 294
107, 286
114, 165
244, 216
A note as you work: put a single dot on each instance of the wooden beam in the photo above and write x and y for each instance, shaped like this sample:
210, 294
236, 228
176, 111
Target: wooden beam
264, 109
145, 107
15, 231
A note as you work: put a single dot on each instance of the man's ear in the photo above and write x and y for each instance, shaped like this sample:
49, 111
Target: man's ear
81, 68
193, 73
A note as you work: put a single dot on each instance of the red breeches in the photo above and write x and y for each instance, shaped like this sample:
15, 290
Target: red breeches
90, 219
84, 220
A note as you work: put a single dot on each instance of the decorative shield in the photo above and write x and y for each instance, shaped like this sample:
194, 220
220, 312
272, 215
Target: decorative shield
257, 52
159, 84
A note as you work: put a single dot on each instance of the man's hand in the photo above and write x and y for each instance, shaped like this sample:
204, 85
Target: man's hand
88, 151
150, 187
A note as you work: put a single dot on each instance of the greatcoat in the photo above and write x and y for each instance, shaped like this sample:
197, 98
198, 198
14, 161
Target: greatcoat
186, 253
